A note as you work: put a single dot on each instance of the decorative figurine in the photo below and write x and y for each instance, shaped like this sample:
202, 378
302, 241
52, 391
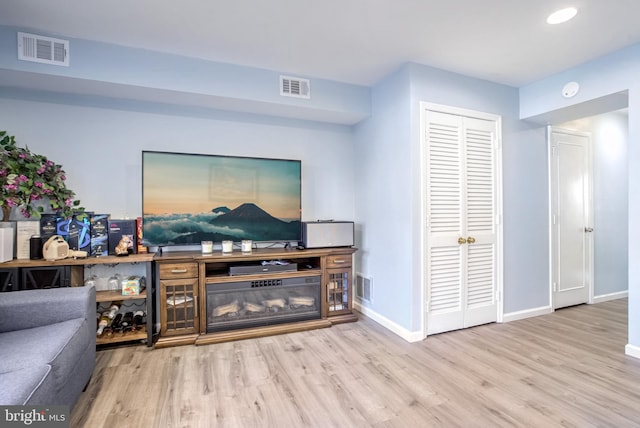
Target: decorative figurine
122, 249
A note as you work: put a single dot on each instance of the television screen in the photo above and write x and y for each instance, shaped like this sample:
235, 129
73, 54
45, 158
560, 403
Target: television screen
189, 198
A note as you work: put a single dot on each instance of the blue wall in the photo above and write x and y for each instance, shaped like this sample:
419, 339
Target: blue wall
360, 148
388, 203
607, 75
609, 140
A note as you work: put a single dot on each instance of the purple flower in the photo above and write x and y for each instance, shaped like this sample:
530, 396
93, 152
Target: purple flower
11, 202
22, 156
25, 213
41, 170
23, 178
38, 184
10, 187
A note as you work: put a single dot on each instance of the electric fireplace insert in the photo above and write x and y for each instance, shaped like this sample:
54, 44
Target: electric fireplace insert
262, 302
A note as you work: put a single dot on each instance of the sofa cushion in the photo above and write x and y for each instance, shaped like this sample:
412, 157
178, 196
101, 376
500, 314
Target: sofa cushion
59, 345
30, 384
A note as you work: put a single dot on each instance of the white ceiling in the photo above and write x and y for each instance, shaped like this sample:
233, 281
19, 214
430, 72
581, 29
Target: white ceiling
353, 41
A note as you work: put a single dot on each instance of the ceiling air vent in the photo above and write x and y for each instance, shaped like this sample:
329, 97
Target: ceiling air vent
47, 50
295, 87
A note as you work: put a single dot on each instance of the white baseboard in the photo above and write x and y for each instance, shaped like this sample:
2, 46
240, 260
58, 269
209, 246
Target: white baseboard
611, 296
409, 336
527, 313
632, 351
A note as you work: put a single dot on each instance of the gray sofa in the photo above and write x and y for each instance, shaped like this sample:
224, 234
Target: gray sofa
47, 345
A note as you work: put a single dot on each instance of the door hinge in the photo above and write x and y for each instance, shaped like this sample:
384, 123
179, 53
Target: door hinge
555, 286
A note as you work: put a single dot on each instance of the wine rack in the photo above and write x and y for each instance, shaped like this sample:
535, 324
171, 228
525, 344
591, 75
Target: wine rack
116, 296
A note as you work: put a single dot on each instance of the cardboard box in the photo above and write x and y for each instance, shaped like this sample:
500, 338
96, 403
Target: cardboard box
141, 248
6, 243
48, 226
80, 232
62, 227
133, 285
99, 234
119, 229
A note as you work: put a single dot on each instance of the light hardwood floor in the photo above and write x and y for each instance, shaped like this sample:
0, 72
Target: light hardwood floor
564, 369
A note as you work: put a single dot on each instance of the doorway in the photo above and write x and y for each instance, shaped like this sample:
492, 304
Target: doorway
571, 212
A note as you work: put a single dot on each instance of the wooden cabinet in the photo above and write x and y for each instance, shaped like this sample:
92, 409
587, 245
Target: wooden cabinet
33, 274
338, 282
184, 277
178, 286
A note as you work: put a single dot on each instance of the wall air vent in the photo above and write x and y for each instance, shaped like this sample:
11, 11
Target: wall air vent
295, 87
46, 50
364, 288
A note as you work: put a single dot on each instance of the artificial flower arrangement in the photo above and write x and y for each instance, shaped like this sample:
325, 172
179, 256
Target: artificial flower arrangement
27, 178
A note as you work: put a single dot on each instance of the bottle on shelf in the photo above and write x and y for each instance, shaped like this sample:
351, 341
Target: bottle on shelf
138, 320
103, 323
113, 310
127, 322
115, 324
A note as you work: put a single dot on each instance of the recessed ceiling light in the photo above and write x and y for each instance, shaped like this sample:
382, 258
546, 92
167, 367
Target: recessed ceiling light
562, 15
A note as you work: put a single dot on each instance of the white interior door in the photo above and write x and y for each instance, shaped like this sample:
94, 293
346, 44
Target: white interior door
462, 210
571, 218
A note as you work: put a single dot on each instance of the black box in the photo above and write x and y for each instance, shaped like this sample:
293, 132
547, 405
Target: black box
99, 234
80, 232
261, 269
62, 227
117, 230
48, 226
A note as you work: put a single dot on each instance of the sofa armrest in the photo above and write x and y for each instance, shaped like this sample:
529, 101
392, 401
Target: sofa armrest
33, 308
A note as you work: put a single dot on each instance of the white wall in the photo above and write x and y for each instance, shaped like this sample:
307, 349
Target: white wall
609, 138
100, 149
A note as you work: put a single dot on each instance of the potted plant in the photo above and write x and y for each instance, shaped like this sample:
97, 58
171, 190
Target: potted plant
27, 179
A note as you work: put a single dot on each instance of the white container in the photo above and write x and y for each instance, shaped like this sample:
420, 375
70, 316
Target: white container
227, 247
207, 247
247, 245
6, 244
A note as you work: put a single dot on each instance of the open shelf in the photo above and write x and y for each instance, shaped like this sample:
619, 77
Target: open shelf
120, 337
111, 296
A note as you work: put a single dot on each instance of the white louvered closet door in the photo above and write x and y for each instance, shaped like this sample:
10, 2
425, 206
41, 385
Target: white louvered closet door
461, 251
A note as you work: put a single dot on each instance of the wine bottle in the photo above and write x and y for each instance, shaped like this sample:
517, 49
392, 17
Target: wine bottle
104, 321
116, 323
138, 317
127, 322
113, 310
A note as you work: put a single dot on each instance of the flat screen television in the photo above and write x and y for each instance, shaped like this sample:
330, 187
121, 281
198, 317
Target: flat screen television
190, 198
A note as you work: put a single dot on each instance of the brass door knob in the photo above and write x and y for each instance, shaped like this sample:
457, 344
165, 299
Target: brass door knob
471, 240
461, 241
